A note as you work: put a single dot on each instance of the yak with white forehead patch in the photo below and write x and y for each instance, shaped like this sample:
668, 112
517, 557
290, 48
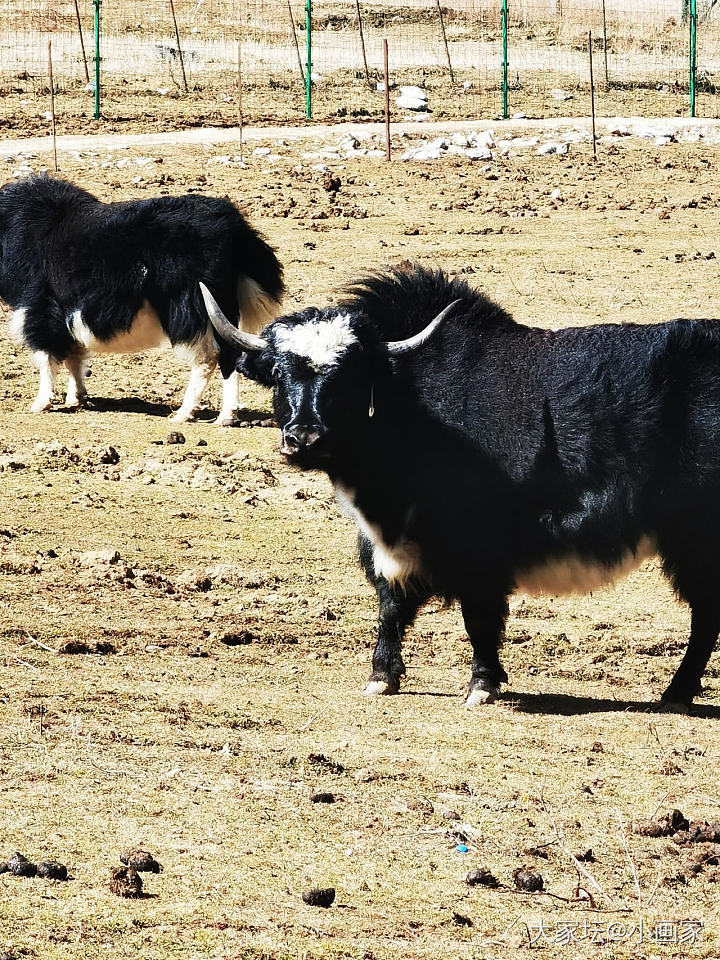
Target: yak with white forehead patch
88, 277
479, 456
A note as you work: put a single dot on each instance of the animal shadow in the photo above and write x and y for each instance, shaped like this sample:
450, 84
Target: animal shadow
154, 409
250, 416
123, 405
567, 705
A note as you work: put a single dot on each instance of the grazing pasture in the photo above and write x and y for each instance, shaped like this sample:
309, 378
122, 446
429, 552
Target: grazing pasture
222, 627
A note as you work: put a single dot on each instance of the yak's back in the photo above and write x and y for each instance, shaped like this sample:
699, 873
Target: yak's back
42, 202
400, 301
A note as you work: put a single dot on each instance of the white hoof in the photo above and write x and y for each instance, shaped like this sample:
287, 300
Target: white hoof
223, 421
183, 416
74, 403
477, 697
378, 688
40, 406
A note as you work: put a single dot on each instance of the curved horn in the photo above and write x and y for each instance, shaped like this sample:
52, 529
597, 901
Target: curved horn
396, 348
226, 331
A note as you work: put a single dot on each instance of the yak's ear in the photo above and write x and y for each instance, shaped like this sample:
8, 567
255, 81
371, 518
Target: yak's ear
257, 366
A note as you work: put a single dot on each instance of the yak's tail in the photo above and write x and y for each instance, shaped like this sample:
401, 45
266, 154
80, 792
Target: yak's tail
257, 307
260, 281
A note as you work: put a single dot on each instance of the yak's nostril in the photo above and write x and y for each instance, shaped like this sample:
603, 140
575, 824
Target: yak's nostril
291, 441
300, 437
311, 437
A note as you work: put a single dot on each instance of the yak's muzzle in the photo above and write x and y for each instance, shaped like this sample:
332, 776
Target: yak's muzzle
299, 438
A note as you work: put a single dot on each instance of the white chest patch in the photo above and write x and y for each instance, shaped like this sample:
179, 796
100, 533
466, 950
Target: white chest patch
397, 563
322, 342
572, 574
145, 333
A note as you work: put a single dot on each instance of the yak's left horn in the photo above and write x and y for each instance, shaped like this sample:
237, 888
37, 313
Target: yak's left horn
396, 348
226, 331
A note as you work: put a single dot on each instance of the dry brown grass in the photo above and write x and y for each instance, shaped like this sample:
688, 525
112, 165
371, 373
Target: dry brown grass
206, 754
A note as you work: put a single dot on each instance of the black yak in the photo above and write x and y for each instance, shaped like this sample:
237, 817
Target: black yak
85, 277
479, 456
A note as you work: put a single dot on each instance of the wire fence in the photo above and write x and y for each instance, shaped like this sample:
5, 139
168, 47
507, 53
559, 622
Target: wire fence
195, 62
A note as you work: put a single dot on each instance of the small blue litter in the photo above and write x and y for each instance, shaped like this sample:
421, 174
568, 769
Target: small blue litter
461, 848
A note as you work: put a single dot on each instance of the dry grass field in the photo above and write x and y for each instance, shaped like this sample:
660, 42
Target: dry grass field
240, 628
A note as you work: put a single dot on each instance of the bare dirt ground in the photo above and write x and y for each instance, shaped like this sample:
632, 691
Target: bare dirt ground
242, 629
136, 106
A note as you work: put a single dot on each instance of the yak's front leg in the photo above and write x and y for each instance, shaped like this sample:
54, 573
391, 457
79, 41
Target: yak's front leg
485, 624
397, 610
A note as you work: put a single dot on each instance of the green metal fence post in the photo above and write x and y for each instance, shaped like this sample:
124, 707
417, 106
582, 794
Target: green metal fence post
693, 53
504, 25
97, 58
308, 69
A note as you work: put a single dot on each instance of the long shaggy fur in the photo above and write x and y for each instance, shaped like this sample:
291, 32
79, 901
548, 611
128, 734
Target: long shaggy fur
501, 456
64, 252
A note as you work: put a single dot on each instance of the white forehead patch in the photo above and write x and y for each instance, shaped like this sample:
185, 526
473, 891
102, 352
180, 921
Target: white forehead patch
322, 342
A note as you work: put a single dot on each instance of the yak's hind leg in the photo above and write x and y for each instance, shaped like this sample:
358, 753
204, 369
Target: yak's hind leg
704, 630
485, 624
230, 403
41, 326
697, 581
48, 367
200, 374
397, 610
